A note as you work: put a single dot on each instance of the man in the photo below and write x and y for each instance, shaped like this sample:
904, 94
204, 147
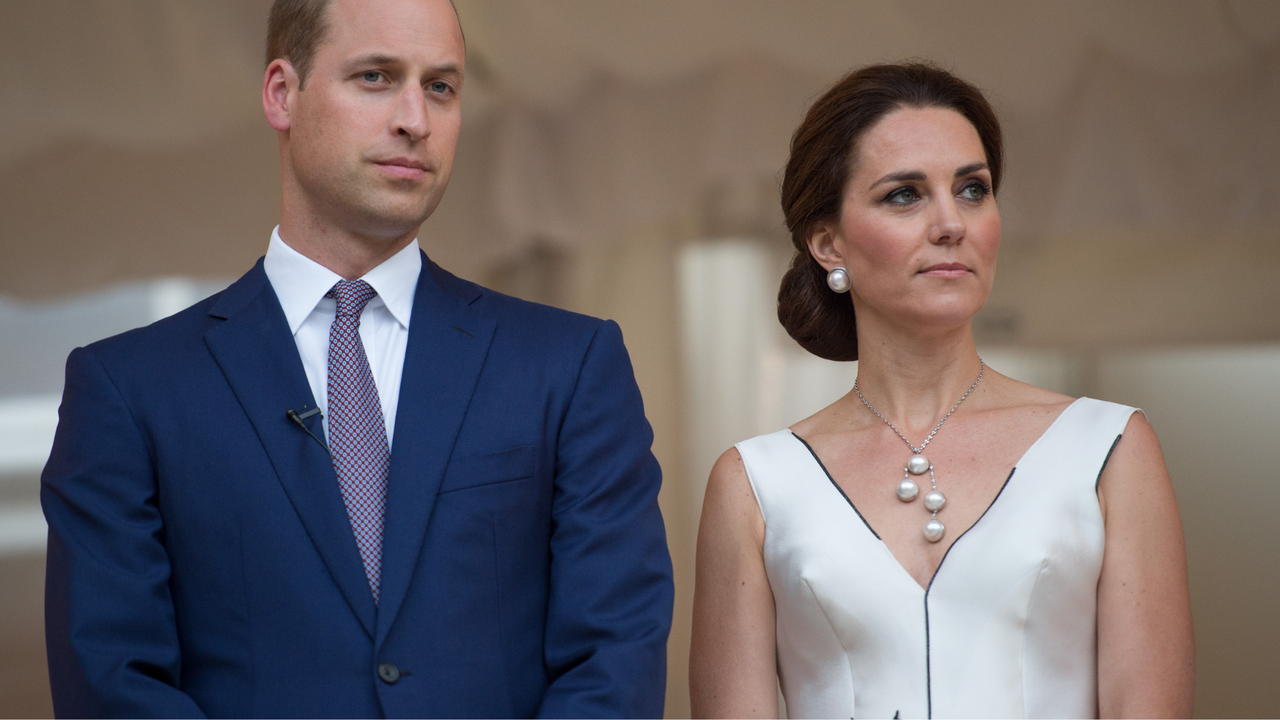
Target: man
352, 484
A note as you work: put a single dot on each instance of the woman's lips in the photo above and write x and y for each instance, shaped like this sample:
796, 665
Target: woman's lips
946, 270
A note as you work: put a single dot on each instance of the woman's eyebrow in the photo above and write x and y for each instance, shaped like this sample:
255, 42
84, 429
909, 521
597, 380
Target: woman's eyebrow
916, 175
900, 177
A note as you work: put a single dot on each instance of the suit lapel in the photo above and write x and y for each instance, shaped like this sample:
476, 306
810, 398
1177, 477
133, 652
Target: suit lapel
257, 354
448, 342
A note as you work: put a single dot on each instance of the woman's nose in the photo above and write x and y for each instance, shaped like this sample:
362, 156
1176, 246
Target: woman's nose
948, 224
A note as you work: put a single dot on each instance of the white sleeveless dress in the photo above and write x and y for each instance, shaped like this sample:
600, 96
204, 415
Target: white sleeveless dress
1008, 624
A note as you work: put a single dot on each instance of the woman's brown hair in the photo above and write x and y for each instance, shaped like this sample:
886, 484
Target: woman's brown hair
823, 152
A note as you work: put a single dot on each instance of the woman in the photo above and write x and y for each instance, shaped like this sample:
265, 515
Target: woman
942, 541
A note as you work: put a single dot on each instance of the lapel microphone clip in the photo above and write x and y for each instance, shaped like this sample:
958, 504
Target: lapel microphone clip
297, 418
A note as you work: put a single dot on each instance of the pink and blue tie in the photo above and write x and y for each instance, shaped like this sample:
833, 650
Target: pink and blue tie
357, 430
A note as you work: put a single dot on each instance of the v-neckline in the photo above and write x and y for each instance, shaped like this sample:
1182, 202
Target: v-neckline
924, 589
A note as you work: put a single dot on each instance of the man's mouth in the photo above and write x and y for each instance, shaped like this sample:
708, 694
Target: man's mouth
403, 167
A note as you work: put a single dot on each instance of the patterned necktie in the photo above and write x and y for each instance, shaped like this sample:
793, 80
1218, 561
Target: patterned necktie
357, 430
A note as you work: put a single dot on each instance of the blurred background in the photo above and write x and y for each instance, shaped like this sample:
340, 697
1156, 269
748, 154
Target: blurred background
623, 159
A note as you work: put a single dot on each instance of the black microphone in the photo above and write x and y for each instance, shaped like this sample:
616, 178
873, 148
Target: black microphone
297, 419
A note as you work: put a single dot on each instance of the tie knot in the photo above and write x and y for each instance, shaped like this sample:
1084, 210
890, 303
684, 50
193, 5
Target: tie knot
352, 296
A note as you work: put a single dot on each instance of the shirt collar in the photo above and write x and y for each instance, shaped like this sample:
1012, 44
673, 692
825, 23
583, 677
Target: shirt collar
301, 283
396, 281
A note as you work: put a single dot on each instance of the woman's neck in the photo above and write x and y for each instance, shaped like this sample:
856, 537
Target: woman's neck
913, 379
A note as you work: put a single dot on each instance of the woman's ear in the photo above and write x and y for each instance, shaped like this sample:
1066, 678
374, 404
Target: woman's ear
825, 246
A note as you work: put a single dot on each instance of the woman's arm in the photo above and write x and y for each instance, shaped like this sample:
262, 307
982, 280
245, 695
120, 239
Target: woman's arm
732, 666
1146, 659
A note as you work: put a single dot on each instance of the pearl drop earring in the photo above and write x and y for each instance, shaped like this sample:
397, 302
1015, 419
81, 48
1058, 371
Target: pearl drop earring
838, 280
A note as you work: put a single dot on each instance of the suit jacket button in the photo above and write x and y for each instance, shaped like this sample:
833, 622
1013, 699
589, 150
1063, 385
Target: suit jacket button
389, 673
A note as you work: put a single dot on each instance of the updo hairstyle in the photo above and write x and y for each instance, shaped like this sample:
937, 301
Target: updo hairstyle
823, 153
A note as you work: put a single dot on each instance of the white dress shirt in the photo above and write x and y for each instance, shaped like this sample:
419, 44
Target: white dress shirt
301, 283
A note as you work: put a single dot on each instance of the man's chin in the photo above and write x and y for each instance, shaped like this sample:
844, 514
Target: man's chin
390, 221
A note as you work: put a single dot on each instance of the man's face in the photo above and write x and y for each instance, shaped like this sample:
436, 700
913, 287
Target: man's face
373, 129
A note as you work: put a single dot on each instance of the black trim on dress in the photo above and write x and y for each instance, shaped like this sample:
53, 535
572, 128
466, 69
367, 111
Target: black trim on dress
837, 486
1098, 483
928, 663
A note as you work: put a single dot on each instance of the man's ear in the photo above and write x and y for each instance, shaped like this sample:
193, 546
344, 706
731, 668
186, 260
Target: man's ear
279, 89
826, 247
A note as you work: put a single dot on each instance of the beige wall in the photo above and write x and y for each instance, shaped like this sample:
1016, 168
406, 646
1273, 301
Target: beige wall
1117, 288
24, 682
1214, 408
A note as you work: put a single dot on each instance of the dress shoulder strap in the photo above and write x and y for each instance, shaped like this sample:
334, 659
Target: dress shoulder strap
773, 462
1080, 441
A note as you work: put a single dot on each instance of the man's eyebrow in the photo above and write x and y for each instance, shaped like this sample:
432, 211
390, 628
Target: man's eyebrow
373, 59
378, 59
447, 70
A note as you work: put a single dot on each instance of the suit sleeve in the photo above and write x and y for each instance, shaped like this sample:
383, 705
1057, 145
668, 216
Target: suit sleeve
109, 617
611, 586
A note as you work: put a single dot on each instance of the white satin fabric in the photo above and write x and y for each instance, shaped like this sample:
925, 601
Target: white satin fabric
1008, 624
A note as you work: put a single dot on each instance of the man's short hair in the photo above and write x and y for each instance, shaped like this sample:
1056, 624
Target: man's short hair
294, 31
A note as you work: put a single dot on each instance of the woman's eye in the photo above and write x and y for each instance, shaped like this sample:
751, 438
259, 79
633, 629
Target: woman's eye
902, 196
975, 191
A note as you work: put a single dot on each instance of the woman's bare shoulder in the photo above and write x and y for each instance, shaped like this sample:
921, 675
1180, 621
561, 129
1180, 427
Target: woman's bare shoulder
1005, 392
730, 512
728, 468
729, 487
833, 419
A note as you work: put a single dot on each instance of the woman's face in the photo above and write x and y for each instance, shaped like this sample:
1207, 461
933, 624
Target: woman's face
918, 228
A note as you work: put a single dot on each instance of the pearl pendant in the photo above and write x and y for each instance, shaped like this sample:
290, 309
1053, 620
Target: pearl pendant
933, 531
907, 490
934, 501
918, 465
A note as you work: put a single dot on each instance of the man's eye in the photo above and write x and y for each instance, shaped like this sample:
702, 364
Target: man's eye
371, 76
439, 87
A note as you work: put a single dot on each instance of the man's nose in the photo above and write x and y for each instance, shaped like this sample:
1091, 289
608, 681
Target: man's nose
412, 115
948, 225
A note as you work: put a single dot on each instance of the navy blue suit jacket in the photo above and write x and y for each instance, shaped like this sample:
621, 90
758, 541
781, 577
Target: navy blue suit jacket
201, 561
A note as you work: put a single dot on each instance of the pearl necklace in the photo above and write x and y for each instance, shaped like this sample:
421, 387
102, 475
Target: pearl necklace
919, 464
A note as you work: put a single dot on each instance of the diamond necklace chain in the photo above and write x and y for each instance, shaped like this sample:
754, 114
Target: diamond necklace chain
981, 371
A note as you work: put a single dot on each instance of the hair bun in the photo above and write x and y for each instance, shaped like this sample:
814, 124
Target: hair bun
814, 316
